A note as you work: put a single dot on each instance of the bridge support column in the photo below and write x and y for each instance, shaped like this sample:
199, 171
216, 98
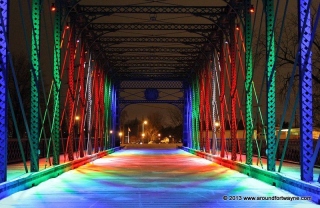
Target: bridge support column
233, 90
271, 87
248, 82
82, 102
195, 113
114, 115
89, 107
35, 120
71, 94
186, 117
214, 104
3, 90
208, 91
222, 94
107, 112
305, 87
55, 135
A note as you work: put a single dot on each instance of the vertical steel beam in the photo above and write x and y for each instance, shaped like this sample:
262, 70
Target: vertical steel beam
82, 100
96, 108
71, 97
248, 81
195, 112
202, 107
107, 111
214, 104
233, 90
89, 106
57, 83
222, 94
114, 115
35, 121
3, 90
305, 90
101, 109
271, 86
188, 115
185, 117
208, 90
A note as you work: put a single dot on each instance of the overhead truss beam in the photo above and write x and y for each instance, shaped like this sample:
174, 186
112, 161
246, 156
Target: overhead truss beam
170, 65
153, 70
195, 10
152, 58
181, 50
136, 26
185, 40
151, 76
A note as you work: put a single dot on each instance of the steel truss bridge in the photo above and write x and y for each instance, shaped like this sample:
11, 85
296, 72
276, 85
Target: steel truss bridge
221, 58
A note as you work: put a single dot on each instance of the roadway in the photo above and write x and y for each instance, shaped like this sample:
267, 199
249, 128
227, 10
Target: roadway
162, 176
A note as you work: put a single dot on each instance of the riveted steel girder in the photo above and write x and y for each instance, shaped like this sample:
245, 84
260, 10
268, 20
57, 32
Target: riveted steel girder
172, 65
3, 92
181, 50
152, 101
152, 58
196, 10
136, 26
151, 76
153, 70
153, 84
185, 40
94, 12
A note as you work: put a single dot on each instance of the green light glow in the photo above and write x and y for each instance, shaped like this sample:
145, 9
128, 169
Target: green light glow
35, 121
271, 87
248, 82
56, 88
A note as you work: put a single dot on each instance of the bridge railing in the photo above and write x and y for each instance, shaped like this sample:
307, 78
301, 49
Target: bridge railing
15, 155
292, 153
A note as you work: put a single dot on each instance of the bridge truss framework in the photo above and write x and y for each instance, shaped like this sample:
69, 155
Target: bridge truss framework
104, 68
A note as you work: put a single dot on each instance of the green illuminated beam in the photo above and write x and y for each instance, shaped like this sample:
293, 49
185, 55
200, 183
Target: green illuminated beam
248, 82
56, 88
271, 99
195, 113
35, 124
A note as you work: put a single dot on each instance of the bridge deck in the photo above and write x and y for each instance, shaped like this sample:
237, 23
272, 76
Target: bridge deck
137, 177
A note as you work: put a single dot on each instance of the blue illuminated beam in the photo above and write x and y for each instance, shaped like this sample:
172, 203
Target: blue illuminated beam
3, 91
305, 90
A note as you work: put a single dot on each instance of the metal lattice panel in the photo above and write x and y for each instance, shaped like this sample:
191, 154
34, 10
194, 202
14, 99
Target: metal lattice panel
122, 26
153, 58
182, 50
185, 40
150, 69
196, 10
152, 76
3, 93
133, 64
152, 84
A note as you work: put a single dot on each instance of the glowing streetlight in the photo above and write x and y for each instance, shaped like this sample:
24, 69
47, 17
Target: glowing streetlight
77, 118
120, 134
144, 123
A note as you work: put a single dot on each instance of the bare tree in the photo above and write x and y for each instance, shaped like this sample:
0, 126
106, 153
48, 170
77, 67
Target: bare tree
286, 58
155, 124
175, 116
21, 66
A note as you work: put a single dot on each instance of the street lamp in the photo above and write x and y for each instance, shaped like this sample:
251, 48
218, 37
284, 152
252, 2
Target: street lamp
214, 137
120, 134
144, 123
